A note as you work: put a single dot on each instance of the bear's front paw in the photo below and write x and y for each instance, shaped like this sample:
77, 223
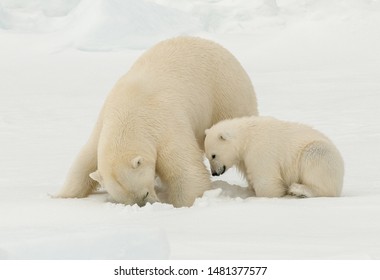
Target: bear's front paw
300, 191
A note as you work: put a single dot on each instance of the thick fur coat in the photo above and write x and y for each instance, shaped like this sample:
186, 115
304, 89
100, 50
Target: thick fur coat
277, 158
153, 123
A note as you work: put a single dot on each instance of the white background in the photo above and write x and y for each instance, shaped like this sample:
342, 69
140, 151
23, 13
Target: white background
315, 62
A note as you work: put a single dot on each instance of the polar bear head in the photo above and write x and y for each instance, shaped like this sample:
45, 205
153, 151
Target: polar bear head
130, 182
221, 147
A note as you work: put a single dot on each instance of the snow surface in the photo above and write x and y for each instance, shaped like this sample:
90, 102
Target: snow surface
315, 62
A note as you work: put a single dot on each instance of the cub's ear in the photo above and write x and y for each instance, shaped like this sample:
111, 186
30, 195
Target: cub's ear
225, 136
206, 131
137, 161
96, 176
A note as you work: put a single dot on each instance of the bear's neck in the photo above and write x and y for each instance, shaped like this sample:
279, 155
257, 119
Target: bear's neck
242, 146
242, 138
130, 141
141, 144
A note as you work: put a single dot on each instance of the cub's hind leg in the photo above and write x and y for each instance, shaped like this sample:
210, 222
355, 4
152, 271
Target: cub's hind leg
321, 171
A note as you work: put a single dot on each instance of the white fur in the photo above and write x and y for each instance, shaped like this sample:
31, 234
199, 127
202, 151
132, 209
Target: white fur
277, 158
154, 119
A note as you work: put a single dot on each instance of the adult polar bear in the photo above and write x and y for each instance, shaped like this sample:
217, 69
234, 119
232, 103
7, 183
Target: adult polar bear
153, 123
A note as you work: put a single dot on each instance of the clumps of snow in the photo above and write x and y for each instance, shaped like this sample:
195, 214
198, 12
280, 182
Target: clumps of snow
209, 197
232, 191
221, 192
155, 207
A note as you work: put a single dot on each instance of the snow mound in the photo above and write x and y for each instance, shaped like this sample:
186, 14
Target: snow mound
230, 16
97, 25
260, 16
35, 16
132, 23
108, 25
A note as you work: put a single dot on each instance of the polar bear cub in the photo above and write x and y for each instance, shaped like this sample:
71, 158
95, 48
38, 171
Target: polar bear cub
277, 158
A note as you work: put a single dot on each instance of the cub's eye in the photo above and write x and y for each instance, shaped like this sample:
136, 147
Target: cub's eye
213, 156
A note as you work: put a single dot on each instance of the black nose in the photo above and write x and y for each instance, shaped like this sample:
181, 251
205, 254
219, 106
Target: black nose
215, 174
141, 203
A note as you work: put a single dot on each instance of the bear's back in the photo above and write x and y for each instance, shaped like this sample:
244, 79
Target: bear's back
194, 67
184, 81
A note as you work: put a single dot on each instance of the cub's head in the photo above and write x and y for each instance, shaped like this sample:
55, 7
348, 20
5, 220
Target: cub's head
129, 182
220, 148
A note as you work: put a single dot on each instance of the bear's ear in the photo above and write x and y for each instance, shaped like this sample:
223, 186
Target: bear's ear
206, 131
137, 161
96, 176
225, 136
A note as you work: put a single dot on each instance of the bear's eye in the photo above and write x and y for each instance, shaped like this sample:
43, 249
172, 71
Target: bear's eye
213, 156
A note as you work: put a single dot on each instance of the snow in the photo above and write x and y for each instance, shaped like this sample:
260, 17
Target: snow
315, 62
